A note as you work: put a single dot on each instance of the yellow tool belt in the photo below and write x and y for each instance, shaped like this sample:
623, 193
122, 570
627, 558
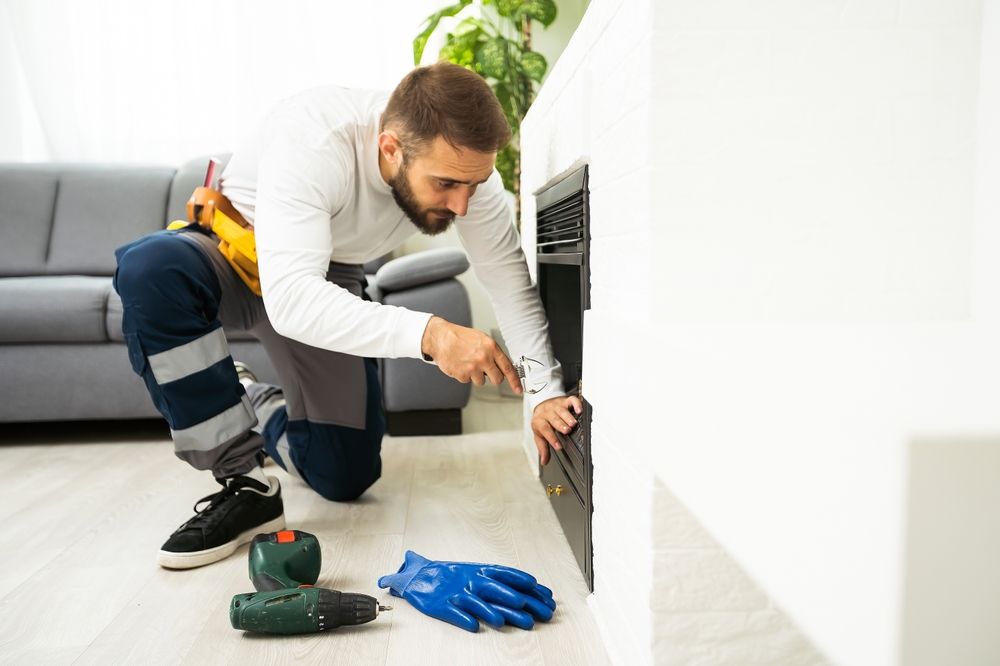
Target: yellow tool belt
212, 210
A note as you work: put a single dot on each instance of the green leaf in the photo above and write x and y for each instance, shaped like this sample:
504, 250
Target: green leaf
534, 65
543, 11
430, 25
470, 24
506, 159
470, 37
457, 54
504, 7
507, 103
460, 48
491, 58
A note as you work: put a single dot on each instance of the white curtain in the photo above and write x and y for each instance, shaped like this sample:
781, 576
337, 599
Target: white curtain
160, 81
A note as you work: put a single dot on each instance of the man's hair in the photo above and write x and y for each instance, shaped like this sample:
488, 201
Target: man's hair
449, 101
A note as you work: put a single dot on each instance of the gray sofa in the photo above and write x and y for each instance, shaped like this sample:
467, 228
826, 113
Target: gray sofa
62, 356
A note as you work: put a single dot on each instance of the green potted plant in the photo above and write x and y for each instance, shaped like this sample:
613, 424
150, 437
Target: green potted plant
496, 43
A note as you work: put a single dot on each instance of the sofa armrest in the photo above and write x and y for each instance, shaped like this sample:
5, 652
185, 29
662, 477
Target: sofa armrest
420, 268
410, 384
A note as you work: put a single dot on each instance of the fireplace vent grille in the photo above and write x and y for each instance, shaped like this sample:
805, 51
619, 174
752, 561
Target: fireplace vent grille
561, 226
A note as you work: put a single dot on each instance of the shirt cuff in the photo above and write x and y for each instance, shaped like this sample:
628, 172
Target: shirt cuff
535, 399
410, 333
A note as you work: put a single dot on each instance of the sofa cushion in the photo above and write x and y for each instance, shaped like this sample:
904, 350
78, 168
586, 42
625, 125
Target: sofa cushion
410, 384
113, 317
101, 208
420, 268
53, 308
27, 195
114, 321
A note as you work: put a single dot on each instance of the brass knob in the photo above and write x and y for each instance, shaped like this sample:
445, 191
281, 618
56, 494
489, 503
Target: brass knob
558, 490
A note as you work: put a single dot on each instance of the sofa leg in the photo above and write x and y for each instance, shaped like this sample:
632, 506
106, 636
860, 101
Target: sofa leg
424, 422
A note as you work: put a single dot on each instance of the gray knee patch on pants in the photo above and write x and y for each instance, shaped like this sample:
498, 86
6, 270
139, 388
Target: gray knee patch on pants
265, 399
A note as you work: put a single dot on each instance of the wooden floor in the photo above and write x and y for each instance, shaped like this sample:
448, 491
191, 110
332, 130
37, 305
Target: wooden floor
82, 521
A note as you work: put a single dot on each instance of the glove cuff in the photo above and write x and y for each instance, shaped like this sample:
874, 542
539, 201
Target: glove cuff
398, 582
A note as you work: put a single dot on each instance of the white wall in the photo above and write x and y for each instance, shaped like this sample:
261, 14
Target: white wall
951, 602
816, 291
792, 294
986, 238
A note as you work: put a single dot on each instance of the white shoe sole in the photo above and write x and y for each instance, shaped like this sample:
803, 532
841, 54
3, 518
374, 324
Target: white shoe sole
169, 560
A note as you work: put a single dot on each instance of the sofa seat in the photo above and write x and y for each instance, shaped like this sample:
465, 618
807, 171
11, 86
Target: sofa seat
65, 308
114, 322
54, 308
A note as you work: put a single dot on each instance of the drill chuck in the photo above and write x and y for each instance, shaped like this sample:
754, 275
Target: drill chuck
304, 610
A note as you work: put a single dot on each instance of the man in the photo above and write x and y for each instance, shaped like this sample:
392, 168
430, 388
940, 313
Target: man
333, 178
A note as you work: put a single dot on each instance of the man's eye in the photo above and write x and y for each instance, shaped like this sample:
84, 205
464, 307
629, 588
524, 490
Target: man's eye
444, 185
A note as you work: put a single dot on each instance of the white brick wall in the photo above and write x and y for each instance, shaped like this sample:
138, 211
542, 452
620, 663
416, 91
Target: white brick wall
782, 299
664, 590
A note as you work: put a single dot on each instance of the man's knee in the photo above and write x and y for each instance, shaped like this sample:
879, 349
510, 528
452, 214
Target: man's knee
154, 267
337, 462
345, 485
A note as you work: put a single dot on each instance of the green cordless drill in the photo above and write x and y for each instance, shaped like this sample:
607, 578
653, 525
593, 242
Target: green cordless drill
283, 567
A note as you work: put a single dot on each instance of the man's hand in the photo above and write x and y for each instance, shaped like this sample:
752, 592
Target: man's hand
467, 354
551, 415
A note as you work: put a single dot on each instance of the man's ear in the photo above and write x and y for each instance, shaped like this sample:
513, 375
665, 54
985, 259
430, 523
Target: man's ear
390, 147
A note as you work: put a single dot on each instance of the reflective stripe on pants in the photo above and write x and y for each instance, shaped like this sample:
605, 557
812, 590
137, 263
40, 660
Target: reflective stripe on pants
170, 303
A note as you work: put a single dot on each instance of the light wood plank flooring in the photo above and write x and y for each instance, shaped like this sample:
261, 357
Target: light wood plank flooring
82, 517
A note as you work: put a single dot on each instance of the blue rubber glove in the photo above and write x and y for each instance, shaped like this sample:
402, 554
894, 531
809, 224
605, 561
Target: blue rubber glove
461, 592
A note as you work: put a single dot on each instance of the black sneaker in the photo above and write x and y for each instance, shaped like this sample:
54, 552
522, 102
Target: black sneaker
243, 508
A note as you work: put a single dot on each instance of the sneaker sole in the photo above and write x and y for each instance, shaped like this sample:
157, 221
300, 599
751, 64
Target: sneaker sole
200, 558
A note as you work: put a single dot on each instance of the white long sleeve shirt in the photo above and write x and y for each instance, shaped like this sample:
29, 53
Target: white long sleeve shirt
309, 181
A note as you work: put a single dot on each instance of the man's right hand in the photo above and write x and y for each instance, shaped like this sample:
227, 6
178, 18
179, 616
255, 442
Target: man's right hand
467, 354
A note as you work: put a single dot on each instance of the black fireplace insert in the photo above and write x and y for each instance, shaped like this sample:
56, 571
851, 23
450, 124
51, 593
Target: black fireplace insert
563, 256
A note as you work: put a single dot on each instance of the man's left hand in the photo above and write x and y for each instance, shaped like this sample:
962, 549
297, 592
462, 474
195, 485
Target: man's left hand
552, 415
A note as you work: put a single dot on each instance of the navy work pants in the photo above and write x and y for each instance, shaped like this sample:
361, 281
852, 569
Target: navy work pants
177, 292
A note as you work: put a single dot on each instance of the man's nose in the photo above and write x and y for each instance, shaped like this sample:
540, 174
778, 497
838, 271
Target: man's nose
458, 202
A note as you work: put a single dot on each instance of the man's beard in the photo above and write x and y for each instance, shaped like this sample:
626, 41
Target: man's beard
428, 221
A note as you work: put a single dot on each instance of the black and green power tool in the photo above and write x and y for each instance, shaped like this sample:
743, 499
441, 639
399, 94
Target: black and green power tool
283, 567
